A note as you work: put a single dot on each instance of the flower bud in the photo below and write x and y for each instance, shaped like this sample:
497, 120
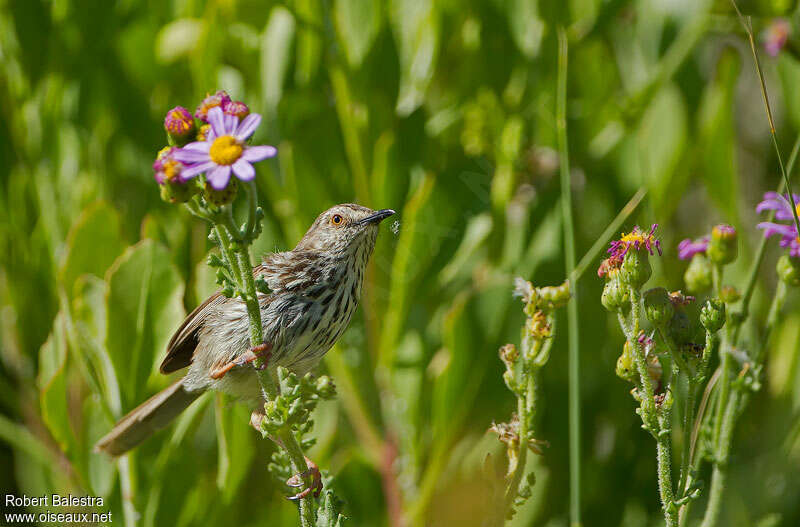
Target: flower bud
712, 315
220, 197
237, 108
626, 369
788, 269
220, 98
179, 125
167, 172
658, 307
698, 275
723, 246
680, 328
654, 370
553, 297
202, 132
615, 296
538, 327
509, 354
729, 294
635, 270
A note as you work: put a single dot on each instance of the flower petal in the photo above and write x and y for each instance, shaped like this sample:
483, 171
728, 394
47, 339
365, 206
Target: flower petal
247, 126
217, 121
231, 122
192, 171
258, 153
219, 177
190, 156
786, 231
199, 146
244, 170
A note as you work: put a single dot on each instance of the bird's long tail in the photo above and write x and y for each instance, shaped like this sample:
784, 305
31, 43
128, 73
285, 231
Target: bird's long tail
153, 414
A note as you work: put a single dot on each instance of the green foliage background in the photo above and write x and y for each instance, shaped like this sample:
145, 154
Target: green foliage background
442, 110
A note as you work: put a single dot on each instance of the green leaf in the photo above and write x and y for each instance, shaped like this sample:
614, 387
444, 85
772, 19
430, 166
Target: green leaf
94, 241
358, 23
406, 262
717, 136
276, 44
101, 468
527, 27
789, 72
659, 145
455, 386
234, 446
178, 39
143, 308
52, 383
416, 27
309, 41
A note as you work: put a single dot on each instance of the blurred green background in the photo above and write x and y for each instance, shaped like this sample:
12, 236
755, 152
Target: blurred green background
443, 110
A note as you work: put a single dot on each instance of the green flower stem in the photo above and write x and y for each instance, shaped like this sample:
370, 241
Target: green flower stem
720, 472
228, 257
657, 423
235, 248
686, 443
732, 411
727, 423
569, 263
525, 409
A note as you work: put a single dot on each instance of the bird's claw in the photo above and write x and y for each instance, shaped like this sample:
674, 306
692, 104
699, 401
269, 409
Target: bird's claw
261, 351
299, 479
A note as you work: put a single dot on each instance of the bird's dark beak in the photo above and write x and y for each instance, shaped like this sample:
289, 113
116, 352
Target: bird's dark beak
377, 217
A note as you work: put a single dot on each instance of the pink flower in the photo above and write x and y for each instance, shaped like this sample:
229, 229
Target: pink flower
688, 248
783, 212
224, 150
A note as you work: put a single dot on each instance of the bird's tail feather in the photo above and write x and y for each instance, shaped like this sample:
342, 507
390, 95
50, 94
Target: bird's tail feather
153, 414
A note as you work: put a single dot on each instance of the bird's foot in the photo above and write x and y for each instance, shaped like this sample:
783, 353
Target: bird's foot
298, 479
261, 351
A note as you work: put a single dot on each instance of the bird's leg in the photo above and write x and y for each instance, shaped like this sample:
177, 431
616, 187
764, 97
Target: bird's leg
256, 352
297, 481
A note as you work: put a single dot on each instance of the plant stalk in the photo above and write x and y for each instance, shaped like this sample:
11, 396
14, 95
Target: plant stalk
572, 307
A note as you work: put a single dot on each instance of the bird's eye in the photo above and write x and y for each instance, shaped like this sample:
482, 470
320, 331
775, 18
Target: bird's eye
337, 219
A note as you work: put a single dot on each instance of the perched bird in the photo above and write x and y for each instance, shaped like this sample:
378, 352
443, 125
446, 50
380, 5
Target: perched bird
314, 291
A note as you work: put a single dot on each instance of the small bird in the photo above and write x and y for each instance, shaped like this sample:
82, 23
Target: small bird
314, 291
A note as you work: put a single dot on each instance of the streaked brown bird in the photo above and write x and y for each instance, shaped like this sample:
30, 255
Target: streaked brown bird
314, 291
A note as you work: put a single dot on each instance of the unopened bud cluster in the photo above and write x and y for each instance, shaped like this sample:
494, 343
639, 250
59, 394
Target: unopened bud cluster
522, 365
298, 398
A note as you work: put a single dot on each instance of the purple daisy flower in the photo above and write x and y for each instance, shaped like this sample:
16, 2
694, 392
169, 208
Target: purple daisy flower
224, 150
637, 239
783, 212
688, 248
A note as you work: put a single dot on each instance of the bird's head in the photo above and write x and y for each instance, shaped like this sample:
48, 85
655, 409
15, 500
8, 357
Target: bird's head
343, 229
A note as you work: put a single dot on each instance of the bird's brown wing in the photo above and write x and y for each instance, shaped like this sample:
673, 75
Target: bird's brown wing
182, 344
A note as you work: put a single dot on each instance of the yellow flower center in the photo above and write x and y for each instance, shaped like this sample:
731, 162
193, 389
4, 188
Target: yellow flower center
225, 150
171, 169
202, 133
797, 208
632, 237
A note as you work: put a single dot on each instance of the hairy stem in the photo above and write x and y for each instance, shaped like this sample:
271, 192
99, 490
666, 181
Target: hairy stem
657, 422
243, 268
